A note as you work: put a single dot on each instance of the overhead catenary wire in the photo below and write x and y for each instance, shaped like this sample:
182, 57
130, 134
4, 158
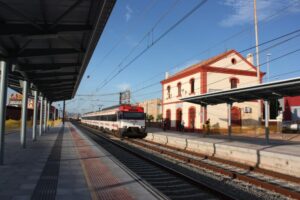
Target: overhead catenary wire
262, 44
274, 59
140, 42
145, 36
155, 41
143, 12
233, 36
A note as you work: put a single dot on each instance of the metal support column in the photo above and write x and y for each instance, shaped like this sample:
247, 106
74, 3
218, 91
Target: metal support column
204, 107
229, 106
45, 115
3, 96
24, 114
41, 114
54, 114
48, 114
35, 107
64, 107
267, 117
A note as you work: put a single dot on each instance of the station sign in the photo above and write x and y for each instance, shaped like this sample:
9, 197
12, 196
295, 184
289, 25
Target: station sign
15, 99
125, 97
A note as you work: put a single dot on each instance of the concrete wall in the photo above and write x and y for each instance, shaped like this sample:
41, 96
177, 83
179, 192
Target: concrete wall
246, 154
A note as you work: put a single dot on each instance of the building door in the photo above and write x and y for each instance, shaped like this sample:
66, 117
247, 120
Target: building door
168, 118
236, 118
192, 117
178, 118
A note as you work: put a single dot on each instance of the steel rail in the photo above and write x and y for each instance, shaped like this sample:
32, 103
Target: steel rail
197, 183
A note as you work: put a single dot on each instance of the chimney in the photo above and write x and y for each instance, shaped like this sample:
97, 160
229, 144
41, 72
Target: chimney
250, 58
167, 75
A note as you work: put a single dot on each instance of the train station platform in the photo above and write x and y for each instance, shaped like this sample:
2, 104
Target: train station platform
278, 155
65, 164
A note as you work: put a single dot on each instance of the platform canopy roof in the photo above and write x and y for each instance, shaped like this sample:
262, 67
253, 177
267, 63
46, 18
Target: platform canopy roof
50, 42
267, 91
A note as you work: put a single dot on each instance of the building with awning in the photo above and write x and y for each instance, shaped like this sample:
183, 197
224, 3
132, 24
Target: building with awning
228, 70
266, 92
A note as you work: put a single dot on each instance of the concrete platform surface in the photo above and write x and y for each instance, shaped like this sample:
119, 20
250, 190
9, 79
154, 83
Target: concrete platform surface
62, 164
277, 155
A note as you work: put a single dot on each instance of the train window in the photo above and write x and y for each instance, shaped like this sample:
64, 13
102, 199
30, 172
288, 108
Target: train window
133, 115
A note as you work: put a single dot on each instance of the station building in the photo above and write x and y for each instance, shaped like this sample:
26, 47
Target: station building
222, 72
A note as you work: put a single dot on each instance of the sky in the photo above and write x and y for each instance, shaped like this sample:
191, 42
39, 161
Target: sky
217, 26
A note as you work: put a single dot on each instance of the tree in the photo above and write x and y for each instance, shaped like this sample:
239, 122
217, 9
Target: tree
149, 118
159, 118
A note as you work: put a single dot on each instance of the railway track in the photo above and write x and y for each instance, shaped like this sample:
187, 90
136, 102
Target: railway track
279, 183
172, 183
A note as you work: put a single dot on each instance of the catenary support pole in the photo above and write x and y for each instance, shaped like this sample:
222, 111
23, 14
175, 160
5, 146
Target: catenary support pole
64, 107
229, 106
35, 107
24, 114
267, 116
41, 114
48, 114
45, 115
3, 96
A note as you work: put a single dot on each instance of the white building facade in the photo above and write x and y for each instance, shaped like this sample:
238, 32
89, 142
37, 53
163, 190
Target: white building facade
222, 72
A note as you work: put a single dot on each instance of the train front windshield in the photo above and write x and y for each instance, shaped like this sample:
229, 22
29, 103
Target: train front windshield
132, 115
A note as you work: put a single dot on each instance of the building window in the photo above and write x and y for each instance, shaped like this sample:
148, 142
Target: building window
233, 61
179, 89
192, 83
234, 82
168, 92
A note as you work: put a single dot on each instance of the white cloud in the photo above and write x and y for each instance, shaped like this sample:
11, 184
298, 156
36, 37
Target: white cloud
123, 86
128, 13
243, 10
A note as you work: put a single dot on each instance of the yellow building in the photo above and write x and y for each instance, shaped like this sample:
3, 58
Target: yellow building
152, 107
222, 72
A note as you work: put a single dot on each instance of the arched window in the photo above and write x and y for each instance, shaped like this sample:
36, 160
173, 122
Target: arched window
179, 89
234, 82
169, 92
192, 83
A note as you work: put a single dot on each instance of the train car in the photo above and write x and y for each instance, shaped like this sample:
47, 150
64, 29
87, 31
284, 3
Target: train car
120, 120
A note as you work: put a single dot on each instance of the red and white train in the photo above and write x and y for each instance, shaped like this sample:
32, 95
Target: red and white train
121, 120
